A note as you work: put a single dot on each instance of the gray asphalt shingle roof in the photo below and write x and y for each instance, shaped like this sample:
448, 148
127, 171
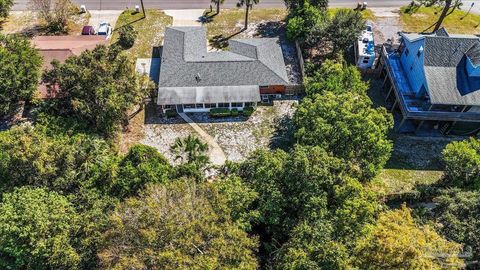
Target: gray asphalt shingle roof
186, 62
445, 67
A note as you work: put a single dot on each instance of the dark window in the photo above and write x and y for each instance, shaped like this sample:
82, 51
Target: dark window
199, 106
248, 104
264, 86
210, 105
223, 105
237, 105
189, 106
407, 52
365, 61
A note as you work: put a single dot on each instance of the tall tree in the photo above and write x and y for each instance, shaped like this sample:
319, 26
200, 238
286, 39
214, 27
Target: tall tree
177, 226
248, 6
395, 241
192, 152
98, 87
457, 214
5, 6
217, 4
462, 163
37, 228
448, 6
19, 73
347, 126
344, 29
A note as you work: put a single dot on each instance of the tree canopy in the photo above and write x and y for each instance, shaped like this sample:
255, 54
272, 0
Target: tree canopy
36, 230
19, 73
178, 225
462, 163
99, 87
395, 241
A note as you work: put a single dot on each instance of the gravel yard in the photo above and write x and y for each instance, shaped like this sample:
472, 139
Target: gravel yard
237, 136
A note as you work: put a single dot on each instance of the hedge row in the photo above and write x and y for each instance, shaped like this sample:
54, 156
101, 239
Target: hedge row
225, 112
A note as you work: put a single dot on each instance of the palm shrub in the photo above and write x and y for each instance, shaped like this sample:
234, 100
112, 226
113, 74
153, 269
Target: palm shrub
128, 34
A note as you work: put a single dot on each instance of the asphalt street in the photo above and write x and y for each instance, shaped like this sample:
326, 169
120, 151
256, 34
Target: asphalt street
203, 4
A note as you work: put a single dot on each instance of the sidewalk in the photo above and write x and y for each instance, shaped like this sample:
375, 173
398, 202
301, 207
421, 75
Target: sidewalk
215, 152
185, 17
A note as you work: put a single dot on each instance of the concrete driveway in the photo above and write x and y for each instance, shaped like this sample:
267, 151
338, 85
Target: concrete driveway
185, 17
98, 16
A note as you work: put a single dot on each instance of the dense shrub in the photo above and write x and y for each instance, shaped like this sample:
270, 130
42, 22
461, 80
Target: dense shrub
462, 163
171, 113
220, 112
248, 111
128, 34
234, 112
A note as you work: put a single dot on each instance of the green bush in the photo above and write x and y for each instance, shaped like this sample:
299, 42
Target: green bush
234, 112
220, 112
128, 34
248, 111
171, 113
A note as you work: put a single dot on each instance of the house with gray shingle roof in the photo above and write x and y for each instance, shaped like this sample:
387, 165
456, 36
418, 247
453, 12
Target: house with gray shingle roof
192, 79
435, 80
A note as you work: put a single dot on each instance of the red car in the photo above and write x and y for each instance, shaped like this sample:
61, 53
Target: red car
88, 30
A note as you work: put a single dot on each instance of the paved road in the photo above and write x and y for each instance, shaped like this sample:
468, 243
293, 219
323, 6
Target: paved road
202, 4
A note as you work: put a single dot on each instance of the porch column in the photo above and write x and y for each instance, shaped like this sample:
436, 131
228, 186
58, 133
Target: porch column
419, 126
394, 105
389, 92
401, 124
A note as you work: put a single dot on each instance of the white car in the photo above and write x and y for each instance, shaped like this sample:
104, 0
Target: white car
104, 29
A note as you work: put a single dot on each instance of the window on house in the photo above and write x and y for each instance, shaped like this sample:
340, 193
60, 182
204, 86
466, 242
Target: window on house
264, 86
248, 104
237, 105
223, 105
189, 106
365, 61
407, 52
166, 107
199, 106
420, 51
210, 105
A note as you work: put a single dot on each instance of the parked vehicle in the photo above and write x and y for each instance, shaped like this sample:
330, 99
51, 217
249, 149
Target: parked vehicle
104, 29
88, 30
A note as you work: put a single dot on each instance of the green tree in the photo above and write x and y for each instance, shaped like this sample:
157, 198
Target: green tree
347, 126
344, 29
5, 6
142, 165
98, 87
336, 77
193, 154
20, 72
239, 199
395, 241
462, 163
457, 213
127, 37
176, 226
36, 230
303, 20
248, 4
295, 4
61, 163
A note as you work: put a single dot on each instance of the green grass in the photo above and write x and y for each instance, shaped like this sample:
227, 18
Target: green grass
231, 21
415, 161
150, 30
424, 19
367, 13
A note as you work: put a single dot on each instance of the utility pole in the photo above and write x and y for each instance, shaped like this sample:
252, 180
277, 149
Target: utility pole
143, 9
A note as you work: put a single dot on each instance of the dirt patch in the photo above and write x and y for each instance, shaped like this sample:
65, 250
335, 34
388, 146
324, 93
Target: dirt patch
386, 25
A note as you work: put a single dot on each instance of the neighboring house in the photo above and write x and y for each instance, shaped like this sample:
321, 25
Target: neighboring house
435, 80
60, 48
195, 80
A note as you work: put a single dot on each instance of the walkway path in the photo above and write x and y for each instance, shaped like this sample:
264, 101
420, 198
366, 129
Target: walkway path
215, 152
185, 17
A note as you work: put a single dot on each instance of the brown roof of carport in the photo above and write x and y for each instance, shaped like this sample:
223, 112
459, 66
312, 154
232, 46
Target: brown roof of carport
208, 94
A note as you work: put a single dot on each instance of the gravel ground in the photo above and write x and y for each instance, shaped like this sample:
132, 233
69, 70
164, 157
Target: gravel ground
237, 136
387, 24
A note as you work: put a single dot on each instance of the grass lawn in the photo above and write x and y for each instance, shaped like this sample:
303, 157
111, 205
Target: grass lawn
231, 21
367, 13
423, 20
150, 30
28, 23
414, 161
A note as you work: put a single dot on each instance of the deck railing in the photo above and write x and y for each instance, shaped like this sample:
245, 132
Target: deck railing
424, 115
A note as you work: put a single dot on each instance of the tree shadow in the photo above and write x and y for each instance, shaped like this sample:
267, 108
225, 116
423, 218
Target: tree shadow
283, 136
132, 22
221, 41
